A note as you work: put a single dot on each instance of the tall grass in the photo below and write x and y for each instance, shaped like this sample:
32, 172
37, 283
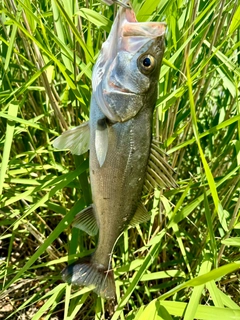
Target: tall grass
184, 263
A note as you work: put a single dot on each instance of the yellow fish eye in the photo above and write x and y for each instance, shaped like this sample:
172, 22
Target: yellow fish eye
146, 63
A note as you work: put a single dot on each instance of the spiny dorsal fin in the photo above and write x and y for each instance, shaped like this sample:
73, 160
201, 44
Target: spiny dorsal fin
159, 172
101, 141
141, 215
86, 221
76, 139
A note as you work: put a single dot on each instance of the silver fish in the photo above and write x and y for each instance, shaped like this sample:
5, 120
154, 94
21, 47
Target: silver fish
125, 87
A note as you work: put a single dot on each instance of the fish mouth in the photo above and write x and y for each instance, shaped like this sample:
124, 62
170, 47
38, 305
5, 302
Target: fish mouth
130, 27
124, 4
127, 14
131, 35
144, 29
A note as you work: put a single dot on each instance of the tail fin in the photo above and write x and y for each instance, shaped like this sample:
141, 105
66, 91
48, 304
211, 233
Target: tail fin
86, 272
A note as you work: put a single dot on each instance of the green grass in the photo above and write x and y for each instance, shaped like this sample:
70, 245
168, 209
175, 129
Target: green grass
184, 263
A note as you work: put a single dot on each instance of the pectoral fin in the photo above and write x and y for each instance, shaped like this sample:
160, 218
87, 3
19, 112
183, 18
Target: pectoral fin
76, 139
159, 171
86, 221
140, 216
101, 141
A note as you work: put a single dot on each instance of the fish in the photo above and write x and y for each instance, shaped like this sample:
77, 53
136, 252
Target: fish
119, 136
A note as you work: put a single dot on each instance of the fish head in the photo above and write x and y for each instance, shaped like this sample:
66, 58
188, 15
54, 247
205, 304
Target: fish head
125, 77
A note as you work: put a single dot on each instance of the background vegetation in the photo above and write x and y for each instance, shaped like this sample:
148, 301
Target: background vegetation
183, 263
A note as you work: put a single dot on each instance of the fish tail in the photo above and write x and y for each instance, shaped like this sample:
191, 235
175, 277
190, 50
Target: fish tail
86, 272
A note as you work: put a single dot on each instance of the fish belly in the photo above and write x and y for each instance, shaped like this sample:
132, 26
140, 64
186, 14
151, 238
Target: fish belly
117, 184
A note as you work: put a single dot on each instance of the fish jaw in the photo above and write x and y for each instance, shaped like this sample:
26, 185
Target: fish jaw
116, 75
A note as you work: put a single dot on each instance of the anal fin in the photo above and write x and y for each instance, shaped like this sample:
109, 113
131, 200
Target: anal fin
86, 221
141, 215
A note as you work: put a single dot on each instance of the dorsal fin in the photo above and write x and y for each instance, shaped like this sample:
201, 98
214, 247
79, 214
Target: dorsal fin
159, 171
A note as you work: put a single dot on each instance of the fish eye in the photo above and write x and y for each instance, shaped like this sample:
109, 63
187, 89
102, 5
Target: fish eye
146, 63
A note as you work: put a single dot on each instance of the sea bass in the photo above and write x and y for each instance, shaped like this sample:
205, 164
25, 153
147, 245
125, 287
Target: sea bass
118, 134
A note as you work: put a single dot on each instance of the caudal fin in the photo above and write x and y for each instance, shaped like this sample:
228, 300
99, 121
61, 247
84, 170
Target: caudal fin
86, 272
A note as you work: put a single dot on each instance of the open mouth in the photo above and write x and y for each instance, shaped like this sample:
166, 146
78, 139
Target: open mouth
132, 34
144, 29
130, 27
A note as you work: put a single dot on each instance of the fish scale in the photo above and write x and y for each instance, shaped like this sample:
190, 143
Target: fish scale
125, 86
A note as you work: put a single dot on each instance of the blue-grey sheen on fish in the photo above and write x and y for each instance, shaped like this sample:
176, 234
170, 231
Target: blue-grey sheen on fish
118, 134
